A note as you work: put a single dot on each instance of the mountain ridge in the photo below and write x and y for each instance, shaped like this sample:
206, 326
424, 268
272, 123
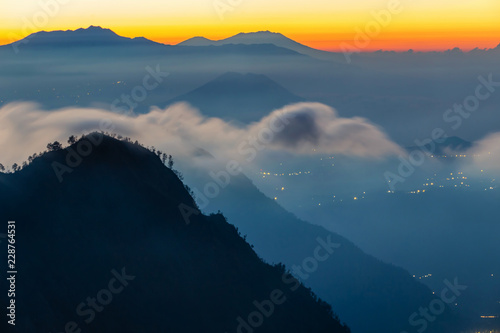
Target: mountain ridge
262, 37
352, 281
91, 36
248, 38
117, 211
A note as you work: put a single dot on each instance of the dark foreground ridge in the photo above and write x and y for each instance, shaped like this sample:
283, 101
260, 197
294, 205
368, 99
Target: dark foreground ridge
107, 250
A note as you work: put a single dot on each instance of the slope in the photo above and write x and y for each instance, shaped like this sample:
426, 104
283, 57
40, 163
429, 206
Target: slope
107, 250
371, 296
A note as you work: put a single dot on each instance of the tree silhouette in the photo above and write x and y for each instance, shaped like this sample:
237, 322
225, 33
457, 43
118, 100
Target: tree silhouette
170, 162
56, 145
72, 140
15, 167
2, 168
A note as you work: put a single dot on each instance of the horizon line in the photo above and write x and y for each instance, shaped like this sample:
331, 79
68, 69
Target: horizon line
338, 49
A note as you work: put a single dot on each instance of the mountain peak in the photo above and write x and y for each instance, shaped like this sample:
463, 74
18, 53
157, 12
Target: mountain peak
261, 33
94, 27
197, 41
452, 144
242, 76
91, 36
244, 97
261, 37
118, 211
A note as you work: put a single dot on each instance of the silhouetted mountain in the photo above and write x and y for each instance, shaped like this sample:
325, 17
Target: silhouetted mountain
107, 250
198, 41
95, 36
369, 295
243, 97
107, 66
448, 146
91, 36
262, 37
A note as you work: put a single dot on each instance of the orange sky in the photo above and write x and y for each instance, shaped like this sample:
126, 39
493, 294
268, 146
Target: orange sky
322, 24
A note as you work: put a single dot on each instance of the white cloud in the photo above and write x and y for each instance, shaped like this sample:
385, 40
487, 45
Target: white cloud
309, 128
486, 154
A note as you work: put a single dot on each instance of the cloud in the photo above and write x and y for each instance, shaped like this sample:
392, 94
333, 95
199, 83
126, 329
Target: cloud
180, 130
317, 128
486, 154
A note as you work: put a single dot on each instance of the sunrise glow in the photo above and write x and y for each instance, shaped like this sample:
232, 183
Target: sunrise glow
422, 25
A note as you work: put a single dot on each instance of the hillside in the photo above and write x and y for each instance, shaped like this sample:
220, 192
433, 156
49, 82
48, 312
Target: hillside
107, 250
369, 295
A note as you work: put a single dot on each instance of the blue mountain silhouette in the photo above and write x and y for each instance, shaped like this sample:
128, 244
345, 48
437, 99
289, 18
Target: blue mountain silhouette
242, 97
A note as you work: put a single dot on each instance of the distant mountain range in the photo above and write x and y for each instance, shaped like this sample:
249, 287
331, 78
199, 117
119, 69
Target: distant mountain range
98, 36
448, 146
242, 97
108, 250
91, 36
69, 69
95, 36
262, 37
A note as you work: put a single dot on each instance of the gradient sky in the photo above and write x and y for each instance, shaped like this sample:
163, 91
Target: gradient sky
323, 24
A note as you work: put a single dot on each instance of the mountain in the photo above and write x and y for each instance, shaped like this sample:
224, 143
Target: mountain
199, 41
242, 97
263, 37
450, 145
369, 295
108, 250
94, 66
91, 36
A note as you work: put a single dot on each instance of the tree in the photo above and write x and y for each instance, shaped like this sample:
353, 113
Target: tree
54, 146
72, 140
15, 167
2, 168
170, 162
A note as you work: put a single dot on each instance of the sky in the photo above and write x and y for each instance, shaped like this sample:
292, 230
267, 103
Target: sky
323, 24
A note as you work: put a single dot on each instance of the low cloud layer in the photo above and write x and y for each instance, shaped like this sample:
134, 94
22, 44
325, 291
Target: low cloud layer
486, 155
304, 128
